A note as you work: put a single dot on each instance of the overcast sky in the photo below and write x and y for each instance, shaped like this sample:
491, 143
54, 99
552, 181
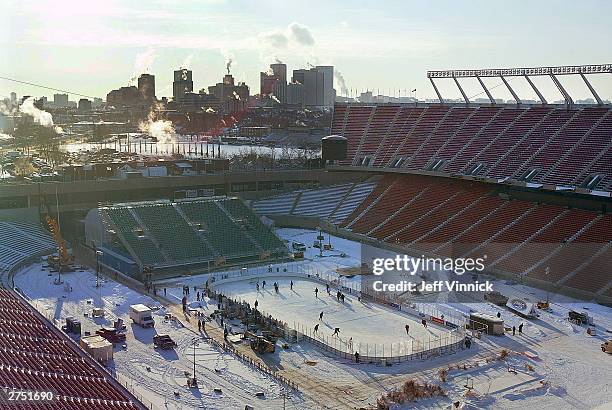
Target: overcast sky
91, 47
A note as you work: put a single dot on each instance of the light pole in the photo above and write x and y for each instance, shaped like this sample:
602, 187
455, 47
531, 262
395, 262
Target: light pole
194, 381
98, 254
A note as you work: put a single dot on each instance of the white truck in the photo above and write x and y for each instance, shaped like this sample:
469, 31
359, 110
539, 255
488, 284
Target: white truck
141, 315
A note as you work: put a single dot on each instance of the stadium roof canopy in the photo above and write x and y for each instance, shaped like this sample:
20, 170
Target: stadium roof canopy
522, 72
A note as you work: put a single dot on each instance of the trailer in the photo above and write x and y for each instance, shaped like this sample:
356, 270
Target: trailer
141, 315
487, 324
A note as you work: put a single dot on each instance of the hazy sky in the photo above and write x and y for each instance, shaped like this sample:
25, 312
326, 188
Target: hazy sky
92, 47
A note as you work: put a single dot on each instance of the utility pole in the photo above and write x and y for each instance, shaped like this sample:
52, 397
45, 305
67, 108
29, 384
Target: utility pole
194, 381
98, 254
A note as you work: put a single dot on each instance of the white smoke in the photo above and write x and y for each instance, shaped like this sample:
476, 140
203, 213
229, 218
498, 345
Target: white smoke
340, 83
210, 110
161, 129
274, 98
186, 64
143, 63
236, 96
7, 109
40, 117
295, 34
301, 34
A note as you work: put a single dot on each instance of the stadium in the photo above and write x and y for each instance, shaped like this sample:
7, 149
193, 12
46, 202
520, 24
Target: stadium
526, 185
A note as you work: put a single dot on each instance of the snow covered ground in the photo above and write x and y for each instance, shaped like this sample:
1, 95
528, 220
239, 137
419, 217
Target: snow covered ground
554, 364
154, 375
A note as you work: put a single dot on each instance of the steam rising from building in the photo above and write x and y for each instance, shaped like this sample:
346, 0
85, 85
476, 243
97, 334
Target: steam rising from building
40, 117
157, 127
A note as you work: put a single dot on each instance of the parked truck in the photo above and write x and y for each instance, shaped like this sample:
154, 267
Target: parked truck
141, 315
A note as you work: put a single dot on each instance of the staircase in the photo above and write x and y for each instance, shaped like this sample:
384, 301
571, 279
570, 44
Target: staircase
364, 136
585, 263
488, 241
579, 142
414, 126
561, 246
394, 214
546, 144
520, 141
198, 233
449, 220
149, 235
502, 206
382, 143
425, 215
525, 242
374, 202
426, 141
476, 136
467, 120
244, 231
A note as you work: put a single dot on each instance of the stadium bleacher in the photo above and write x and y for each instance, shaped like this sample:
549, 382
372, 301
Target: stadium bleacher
333, 203
202, 231
458, 218
35, 356
540, 144
20, 241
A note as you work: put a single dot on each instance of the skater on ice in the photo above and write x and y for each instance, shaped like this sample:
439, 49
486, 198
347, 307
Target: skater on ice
316, 292
336, 332
407, 329
321, 316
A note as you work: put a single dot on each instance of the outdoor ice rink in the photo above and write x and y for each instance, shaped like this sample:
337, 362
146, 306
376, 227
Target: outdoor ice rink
371, 325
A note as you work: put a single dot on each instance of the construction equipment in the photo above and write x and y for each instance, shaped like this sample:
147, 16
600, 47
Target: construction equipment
64, 259
260, 344
543, 304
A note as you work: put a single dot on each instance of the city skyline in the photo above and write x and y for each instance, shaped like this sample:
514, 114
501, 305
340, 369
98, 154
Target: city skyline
381, 48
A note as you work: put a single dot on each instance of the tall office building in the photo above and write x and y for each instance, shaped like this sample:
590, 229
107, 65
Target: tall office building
84, 105
60, 100
146, 86
232, 97
280, 87
313, 81
295, 94
13, 97
274, 82
329, 94
183, 83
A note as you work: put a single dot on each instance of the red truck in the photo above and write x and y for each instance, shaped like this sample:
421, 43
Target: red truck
111, 334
